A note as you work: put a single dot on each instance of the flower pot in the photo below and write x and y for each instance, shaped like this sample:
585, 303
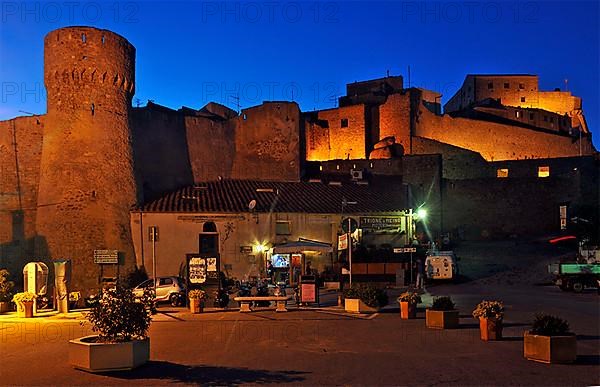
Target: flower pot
355, 305
196, 305
408, 310
85, 354
25, 309
441, 319
4, 307
490, 329
550, 349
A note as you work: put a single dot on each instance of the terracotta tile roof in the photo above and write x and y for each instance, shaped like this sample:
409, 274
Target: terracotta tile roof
317, 198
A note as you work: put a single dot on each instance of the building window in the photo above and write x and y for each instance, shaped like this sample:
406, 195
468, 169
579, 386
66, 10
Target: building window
531, 116
521, 86
490, 85
545, 118
544, 171
83, 38
506, 85
517, 114
344, 123
282, 227
522, 99
552, 119
502, 172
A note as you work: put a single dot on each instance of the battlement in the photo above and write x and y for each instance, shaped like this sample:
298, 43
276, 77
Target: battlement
81, 62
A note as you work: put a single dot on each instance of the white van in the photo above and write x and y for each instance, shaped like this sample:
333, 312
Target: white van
441, 265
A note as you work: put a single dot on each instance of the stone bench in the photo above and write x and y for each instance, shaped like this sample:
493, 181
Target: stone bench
279, 300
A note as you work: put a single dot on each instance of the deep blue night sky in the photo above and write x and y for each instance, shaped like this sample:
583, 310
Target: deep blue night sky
190, 53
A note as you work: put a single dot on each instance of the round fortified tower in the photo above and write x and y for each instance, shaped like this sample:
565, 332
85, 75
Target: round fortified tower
87, 184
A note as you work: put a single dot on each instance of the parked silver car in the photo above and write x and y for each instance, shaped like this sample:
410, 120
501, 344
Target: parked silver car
168, 289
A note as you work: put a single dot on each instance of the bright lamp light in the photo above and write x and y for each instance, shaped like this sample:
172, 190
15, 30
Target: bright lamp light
422, 213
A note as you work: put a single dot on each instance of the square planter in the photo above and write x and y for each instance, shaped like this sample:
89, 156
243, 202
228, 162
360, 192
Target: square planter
4, 307
196, 305
441, 319
87, 355
25, 309
490, 329
355, 305
550, 349
408, 310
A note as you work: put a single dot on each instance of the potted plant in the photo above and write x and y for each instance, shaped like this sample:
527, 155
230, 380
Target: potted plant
364, 299
490, 315
122, 321
550, 341
6, 288
197, 298
442, 314
408, 304
24, 302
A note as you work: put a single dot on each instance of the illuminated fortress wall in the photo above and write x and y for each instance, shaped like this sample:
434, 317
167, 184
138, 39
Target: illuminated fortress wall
20, 154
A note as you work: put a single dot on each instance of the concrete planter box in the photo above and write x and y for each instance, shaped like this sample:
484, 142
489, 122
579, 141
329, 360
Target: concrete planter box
4, 307
25, 309
196, 305
550, 349
490, 329
408, 310
441, 319
355, 305
85, 354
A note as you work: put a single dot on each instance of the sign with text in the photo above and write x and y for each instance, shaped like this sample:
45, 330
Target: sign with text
343, 242
197, 270
380, 222
308, 293
399, 250
106, 256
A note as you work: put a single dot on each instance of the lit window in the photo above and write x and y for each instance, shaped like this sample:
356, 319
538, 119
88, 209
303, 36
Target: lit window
344, 123
518, 114
502, 172
522, 99
544, 171
506, 85
282, 227
337, 167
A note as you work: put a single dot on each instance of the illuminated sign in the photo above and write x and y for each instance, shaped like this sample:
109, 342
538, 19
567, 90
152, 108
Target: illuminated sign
380, 222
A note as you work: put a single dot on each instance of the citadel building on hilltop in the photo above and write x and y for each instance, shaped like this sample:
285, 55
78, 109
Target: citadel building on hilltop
94, 172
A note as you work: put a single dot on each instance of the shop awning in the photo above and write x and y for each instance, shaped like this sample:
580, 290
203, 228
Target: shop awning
301, 246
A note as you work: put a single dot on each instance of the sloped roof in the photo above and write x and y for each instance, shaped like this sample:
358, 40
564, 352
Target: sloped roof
234, 196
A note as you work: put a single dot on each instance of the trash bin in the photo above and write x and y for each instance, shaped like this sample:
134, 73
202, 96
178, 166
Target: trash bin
309, 291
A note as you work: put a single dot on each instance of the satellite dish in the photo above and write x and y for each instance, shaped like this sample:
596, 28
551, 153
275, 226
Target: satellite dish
252, 204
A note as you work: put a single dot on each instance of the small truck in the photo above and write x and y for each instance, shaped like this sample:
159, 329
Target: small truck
580, 272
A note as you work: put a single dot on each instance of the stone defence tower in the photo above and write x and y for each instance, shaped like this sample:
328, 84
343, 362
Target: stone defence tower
87, 183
